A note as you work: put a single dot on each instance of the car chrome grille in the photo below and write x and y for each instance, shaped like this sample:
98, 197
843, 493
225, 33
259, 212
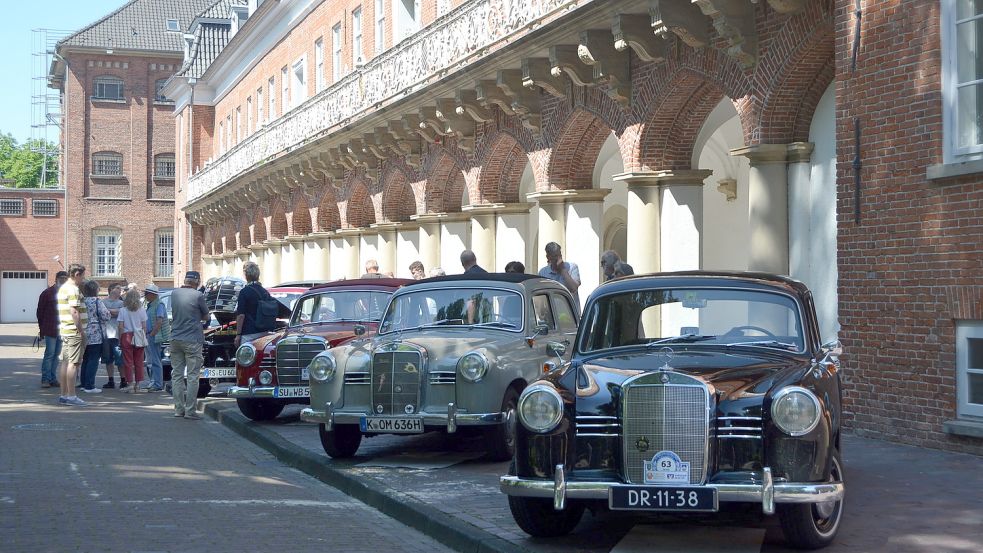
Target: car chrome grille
747, 428
293, 354
396, 382
357, 378
598, 426
665, 417
443, 377
267, 363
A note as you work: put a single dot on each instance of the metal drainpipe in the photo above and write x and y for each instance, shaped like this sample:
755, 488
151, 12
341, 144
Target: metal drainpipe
64, 161
190, 245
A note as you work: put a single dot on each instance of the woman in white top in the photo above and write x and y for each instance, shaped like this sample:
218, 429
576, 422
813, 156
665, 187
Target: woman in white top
131, 317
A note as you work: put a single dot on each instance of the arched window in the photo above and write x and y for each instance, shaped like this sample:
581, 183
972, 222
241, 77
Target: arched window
108, 88
107, 164
164, 166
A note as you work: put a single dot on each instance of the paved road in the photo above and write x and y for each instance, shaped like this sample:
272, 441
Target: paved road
123, 475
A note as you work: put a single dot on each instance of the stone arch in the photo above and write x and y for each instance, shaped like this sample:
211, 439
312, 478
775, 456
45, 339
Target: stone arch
500, 169
231, 236
793, 78
571, 164
300, 217
260, 231
278, 221
245, 236
359, 211
208, 240
328, 216
398, 200
445, 185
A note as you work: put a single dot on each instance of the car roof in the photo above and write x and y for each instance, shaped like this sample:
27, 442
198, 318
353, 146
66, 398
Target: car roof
495, 277
305, 284
392, 283
688, 278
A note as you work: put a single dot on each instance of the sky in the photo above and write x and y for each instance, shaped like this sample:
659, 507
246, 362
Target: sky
18, 45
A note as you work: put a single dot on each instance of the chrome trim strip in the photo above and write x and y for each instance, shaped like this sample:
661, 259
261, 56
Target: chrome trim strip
251, 391
767, 493
451, 418
751, 428
743, 436
593, 417
740, 418
595, 435
429, 419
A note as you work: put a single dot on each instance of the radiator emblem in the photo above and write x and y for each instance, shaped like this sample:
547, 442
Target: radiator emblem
642, 444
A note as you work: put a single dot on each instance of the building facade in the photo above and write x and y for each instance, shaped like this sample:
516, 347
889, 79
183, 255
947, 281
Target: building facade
712, 134
117, 139
32, 232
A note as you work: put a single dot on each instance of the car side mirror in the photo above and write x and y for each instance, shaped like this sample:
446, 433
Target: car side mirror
559, 349
360, 330
833, 348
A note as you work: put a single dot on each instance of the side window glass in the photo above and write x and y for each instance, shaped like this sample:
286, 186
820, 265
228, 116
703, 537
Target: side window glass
303, 313
544, 314
565, 319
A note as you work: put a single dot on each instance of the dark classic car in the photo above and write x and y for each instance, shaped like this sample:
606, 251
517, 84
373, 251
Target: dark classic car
686, 390
272, 371
453, 354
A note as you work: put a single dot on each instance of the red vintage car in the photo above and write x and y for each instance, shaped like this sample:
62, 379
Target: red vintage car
271, 372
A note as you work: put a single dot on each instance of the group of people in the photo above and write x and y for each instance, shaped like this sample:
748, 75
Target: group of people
83, 329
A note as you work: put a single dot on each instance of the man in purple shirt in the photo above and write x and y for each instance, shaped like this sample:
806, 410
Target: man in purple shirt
47, 314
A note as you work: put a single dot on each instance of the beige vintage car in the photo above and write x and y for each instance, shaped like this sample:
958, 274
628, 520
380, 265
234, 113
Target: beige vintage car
452, 355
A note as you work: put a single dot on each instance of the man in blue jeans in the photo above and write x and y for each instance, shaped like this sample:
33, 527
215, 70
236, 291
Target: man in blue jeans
158, 333
47, 314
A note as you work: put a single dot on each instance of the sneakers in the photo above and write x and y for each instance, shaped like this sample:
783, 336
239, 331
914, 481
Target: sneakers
92, 390
109, 385
178, 415
45, 384
126, 389
73, 400
63, 400
146, 384
192, 416
155, 389
122, 383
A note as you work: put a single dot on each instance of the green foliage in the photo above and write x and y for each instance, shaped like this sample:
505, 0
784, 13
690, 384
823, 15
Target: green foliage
23, 163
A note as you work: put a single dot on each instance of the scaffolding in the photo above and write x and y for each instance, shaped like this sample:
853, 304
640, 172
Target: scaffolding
45, 102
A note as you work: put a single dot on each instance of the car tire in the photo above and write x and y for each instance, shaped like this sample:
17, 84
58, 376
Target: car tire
813, 525
537, 517
260, 409
204, 388
501, 437
341, 442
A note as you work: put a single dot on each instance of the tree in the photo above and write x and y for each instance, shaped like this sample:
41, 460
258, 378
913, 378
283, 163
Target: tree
23, 163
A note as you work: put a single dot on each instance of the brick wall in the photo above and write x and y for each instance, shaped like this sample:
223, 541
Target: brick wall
29, 242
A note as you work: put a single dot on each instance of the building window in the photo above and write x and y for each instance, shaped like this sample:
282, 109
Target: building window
172, 26
406, 18
44, 208
357, 58
259, 107
962, 58
284, 89
319, 65
164, 256
380, 26
228, 132
272, 98
238, 124
164, 166
336, 52
106, 252
12, 207
108, 88
299, 72
221, 138
969, 368
159, 95
107, 164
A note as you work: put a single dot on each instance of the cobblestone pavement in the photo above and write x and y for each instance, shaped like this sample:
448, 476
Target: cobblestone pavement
123, 475
899, 498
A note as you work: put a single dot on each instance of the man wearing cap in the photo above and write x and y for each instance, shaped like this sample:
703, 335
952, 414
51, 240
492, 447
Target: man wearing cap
158, 333
188, 312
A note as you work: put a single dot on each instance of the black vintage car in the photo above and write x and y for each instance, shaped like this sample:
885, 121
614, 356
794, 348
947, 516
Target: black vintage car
686, 390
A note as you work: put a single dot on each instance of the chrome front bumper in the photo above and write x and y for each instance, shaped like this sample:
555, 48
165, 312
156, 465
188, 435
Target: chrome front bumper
451, 420
254, 391
767, 493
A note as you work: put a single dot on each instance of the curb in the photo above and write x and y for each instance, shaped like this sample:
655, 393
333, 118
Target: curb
454, 533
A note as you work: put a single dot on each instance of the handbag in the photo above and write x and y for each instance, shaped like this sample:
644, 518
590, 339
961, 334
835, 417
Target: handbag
140, 338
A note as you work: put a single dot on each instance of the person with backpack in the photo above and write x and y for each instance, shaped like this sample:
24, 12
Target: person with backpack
256, 310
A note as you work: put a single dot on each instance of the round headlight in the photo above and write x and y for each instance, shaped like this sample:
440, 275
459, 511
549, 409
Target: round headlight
246, 355
265, 377
322, 368
473, 366
795, 410
540, 408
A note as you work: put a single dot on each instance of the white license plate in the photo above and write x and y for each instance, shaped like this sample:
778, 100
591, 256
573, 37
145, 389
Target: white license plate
228, 372
292, 391
392, 425
305, 374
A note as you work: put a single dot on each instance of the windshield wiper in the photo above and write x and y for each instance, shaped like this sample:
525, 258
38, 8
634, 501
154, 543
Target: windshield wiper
496, 323
684, 338
767, 343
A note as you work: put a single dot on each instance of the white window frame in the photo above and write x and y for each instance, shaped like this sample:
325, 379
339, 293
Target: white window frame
221, 137
951, 152
358, 53
298, 86
966, 330
238, 124
272, 85
259, 107
11, 207
112, 239
48, 208
380, 26
319, 65
336, 45
104, 82
164, 253
285, 102
158, 92
228, 132
405, 25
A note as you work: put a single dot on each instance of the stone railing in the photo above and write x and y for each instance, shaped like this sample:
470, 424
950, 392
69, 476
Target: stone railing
459, 38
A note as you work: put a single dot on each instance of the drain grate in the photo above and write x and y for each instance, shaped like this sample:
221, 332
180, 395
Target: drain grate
46, 427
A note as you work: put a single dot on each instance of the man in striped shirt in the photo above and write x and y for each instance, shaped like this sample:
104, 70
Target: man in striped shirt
72, 317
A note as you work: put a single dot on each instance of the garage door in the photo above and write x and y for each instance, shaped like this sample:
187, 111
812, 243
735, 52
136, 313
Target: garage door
19, 291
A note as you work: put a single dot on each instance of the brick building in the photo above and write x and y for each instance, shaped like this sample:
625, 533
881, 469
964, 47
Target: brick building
117, 140
32, 239
717, 134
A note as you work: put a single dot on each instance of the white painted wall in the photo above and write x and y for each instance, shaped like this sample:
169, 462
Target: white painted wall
609, 163
527, 185
368, 248
510, 240
454, 239
407, 251
726, 232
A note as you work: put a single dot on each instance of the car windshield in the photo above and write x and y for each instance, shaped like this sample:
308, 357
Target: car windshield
454, 307
697, 316
348, 305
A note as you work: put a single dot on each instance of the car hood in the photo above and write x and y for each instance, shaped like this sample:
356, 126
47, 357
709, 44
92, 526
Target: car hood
445, 349
335, 334
737, 375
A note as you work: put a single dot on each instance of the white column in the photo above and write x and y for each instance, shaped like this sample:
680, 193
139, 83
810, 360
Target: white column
207, 267
340, 263
242, 256
386, 247
552, 222
317, 258
407, 248
584, 228
368, 248
800, 206
228, 263
258, 257
512, 235
454, 239
483, 234
273, 262
296, 261
350, 265
767, 207
429, 239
